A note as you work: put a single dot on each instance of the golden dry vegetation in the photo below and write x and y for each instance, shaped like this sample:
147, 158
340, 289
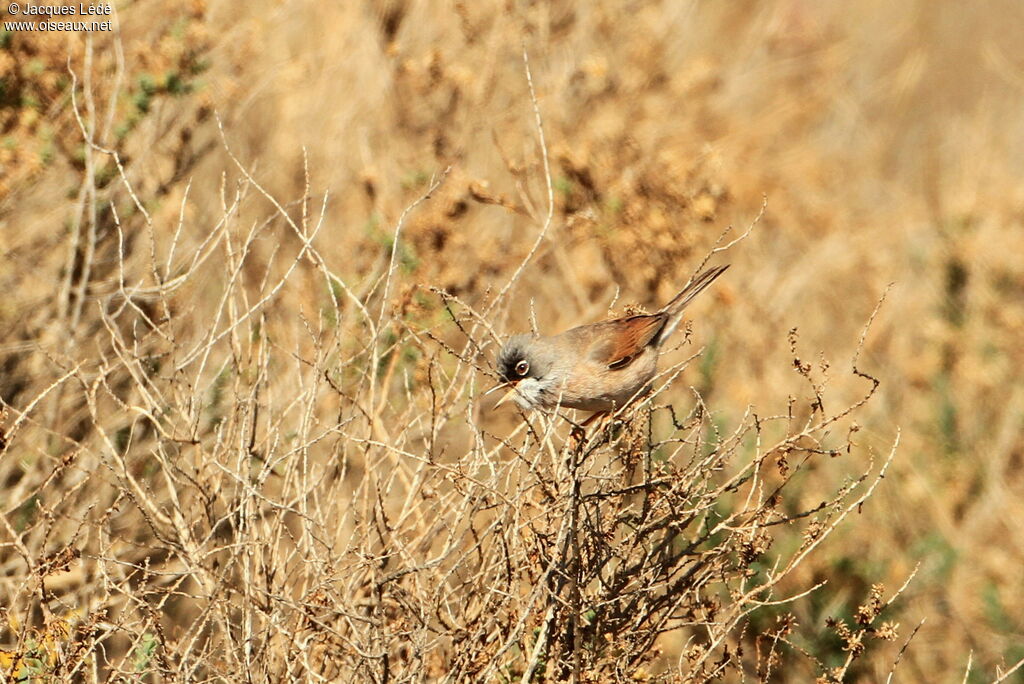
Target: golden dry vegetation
257, 257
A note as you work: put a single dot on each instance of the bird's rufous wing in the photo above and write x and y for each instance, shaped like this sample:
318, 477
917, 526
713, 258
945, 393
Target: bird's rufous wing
624, 338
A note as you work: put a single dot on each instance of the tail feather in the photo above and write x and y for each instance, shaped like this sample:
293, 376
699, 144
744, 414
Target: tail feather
678, 303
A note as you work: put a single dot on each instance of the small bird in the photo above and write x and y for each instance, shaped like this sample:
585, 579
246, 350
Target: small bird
595, 367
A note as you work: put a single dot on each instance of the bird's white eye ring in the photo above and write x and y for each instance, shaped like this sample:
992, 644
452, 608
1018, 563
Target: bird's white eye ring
522, 368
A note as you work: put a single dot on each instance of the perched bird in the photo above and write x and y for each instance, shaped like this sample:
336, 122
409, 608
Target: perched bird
595, 367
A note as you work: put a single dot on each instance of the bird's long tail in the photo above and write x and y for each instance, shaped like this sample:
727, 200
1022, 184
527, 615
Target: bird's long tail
678, 303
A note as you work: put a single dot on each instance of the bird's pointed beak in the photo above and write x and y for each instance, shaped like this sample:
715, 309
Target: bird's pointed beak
510, 386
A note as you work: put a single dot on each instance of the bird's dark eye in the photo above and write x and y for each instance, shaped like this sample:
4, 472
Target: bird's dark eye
522, 368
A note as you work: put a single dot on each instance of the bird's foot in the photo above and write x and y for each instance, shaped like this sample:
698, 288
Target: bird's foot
577, 436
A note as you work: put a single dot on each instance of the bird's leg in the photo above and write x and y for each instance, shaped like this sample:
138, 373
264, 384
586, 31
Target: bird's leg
579, 432
594, 417
576, 436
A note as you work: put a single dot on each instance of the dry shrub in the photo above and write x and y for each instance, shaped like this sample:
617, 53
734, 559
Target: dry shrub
226, 500
243, 438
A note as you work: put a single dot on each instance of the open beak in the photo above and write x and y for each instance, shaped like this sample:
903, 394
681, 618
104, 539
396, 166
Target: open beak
510, 386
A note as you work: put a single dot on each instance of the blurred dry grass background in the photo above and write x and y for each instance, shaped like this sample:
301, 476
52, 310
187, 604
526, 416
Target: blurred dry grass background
886, 139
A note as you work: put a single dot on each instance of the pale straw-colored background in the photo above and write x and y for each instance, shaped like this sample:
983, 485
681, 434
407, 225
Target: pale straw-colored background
885, 136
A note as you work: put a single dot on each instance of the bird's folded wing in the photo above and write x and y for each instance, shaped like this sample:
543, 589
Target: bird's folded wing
624, 338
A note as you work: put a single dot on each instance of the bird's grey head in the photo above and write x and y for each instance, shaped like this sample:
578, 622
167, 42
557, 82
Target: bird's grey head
525, 365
